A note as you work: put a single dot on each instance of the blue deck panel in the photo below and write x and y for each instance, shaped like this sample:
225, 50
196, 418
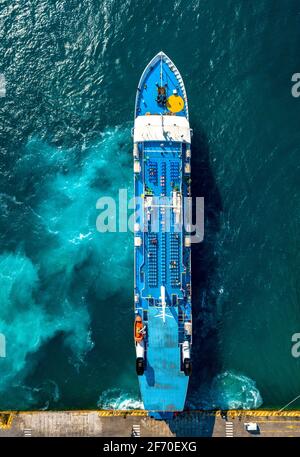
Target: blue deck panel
167, 165
164, 386
153, 260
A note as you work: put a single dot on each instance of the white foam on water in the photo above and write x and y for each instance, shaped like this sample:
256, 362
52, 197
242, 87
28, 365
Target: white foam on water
37, 280
228, 390
118, 399
231, 390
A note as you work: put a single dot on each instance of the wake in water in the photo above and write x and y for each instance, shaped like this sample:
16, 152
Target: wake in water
27, 323
228, 390
54, 260
235, 391
118, 399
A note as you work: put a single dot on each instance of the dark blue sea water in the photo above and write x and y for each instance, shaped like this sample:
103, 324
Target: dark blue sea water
66, 310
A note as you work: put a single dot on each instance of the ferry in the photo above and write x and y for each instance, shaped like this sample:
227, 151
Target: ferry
162, 245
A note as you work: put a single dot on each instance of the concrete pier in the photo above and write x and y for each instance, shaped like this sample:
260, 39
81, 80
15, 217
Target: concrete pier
138, 423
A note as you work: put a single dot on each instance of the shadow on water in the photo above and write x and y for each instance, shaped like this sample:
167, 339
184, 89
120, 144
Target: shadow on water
150, 375
204, 270
206, 363
190, 424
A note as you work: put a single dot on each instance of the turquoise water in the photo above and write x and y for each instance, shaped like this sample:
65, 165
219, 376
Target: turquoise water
71, 71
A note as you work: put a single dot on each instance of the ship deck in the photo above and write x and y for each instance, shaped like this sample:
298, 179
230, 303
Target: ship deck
162, 72
162, 260
164, 385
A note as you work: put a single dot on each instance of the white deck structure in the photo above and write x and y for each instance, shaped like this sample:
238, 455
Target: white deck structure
162, 128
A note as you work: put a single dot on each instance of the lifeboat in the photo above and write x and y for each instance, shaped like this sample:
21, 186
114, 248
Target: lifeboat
138, 329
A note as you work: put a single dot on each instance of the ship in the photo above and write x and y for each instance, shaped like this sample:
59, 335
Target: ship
162, 243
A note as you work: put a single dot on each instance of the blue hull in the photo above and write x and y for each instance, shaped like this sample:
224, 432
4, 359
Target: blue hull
162, 247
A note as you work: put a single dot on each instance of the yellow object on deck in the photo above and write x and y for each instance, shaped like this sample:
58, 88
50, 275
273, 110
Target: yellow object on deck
175, 103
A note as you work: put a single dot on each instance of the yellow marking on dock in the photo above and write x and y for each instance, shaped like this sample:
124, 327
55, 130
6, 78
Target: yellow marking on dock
175, 103
6, 417
124, 413
6, 420
287, 421
262, 413
275, 430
